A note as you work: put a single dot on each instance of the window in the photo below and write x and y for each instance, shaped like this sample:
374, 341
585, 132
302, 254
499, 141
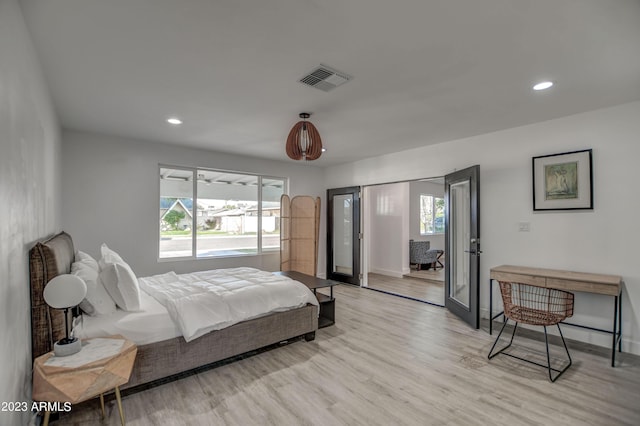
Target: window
216, 213
431, 214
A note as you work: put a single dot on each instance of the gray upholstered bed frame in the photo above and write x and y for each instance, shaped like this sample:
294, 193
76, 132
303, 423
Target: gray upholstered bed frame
169, 357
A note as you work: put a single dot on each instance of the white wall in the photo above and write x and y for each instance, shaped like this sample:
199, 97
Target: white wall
602, 240
29, 190
111, 191
388, 238
418, 188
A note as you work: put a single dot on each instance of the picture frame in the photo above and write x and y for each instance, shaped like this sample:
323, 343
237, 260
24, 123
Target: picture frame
563, 181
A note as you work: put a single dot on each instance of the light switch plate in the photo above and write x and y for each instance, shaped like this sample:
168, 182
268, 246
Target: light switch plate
524, 226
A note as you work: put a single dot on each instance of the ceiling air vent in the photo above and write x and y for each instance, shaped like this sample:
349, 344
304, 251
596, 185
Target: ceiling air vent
325, 78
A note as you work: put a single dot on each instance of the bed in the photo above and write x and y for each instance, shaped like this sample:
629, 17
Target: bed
171, 355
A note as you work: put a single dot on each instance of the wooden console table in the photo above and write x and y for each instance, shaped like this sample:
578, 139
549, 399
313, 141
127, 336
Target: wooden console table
607, 285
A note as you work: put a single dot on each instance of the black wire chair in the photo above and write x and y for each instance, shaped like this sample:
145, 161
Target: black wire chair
527, 304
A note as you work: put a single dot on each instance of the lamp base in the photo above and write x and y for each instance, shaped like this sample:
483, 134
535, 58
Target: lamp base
66, 347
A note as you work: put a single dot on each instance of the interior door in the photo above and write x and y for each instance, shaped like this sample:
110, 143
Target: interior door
343, 235
462, 244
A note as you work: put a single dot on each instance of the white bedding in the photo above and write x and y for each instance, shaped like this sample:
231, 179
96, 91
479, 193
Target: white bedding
151, 324
221, 297
201, 302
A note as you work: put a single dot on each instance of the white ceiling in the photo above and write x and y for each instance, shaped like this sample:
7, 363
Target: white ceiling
425, 71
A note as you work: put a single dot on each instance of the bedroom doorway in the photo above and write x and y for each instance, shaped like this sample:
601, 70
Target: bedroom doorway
397, 216
386, 221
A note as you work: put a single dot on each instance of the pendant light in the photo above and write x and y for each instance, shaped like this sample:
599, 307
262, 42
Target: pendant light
304, 141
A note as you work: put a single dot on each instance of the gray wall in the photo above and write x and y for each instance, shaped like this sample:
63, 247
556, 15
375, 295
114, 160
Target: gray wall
30, 194
600, 241
111, 191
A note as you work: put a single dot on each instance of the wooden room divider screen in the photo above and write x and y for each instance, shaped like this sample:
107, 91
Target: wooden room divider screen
299, 231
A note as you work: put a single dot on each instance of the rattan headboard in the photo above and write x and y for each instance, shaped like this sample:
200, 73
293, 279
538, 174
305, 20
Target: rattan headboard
47, 260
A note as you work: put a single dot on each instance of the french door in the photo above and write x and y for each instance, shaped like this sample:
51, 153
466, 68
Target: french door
343, 235
462, 244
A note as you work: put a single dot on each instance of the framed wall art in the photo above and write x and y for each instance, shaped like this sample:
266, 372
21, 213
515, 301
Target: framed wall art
563, 181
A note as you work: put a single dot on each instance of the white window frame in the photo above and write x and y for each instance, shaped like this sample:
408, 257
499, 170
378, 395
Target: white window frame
433, 209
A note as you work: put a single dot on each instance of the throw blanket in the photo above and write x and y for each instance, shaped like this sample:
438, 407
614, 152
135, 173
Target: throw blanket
201, 302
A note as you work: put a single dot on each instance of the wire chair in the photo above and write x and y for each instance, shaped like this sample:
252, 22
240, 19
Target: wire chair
527, 304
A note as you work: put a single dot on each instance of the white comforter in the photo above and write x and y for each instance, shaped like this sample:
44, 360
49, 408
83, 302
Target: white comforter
201, 302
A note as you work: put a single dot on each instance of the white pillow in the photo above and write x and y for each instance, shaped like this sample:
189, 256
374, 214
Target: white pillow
87, 259
97, 302
122, 285
109, 256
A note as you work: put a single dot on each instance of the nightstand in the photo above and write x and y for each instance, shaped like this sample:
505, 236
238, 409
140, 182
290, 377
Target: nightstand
327, 303
103, 364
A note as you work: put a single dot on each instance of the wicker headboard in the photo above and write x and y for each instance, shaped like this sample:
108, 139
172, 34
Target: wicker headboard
47, 260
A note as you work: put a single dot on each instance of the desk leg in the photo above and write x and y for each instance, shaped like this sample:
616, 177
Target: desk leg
45, 422
119, 405
490, 306
615, 331
620, 322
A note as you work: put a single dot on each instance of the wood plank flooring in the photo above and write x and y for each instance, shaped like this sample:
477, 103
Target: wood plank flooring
387, 361
429, 274
416, 288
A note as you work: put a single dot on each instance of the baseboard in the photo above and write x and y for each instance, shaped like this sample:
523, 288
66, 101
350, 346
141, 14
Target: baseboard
630, 346
387, 272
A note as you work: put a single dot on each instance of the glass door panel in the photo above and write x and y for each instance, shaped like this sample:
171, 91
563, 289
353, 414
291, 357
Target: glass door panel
460, 207
342, 234
343, 242
462, 244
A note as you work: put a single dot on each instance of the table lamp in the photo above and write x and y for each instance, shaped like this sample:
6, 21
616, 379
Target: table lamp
64, 292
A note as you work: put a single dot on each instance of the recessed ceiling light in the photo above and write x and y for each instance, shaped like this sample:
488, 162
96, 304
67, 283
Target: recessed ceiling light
543, 85
324, 149
174, 120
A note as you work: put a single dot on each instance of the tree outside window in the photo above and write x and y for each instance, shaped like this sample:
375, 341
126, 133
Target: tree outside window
173, 218
431, 214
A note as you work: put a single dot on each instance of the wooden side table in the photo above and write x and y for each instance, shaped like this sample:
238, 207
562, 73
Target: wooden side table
103, 364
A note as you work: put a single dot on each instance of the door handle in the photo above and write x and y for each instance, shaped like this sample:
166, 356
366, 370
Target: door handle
474, 252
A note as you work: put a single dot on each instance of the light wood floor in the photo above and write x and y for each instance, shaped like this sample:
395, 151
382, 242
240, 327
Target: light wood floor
387, 361
431, 291
429, 274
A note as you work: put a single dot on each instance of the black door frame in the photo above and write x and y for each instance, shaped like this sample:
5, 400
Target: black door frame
470, 314
354, 278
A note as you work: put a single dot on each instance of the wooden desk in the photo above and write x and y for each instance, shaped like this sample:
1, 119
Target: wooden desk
607, 285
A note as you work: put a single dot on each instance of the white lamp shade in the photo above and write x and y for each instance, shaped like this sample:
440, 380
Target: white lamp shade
65, 291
